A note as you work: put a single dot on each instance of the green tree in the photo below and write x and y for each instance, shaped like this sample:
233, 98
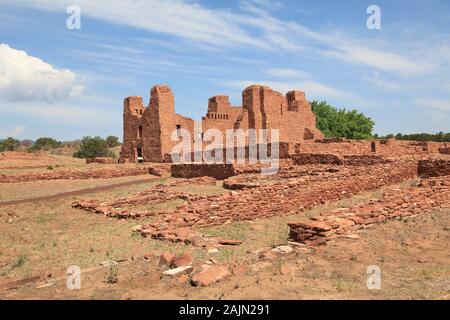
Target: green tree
438, 137
112, 141
342, 123
93, 147
45, 144
9, 144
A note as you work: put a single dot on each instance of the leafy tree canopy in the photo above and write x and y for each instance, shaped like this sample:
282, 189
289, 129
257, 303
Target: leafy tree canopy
93, 147
112, 141
9, 144
45, 144
342, 123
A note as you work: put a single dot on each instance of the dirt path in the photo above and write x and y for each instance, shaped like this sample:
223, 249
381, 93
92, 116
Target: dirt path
78, 192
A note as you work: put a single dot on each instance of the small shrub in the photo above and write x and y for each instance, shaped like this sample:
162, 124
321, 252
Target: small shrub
45, 144
9, 144
92, 147
113, 273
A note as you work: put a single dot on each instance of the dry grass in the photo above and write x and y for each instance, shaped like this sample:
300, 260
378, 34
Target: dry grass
50, 235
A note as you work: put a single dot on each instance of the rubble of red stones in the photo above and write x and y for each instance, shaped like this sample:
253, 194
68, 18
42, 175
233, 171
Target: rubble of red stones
294, 188
120, 208
430, 194
154, 169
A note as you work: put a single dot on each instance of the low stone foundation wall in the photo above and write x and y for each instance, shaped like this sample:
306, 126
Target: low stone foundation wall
444, 150
431, 194
100, 160
156, 169
194, 170
328, 158
433, 168
316, 158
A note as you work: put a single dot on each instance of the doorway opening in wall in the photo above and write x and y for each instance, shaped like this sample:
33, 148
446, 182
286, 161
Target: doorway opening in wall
373, 147
140, 158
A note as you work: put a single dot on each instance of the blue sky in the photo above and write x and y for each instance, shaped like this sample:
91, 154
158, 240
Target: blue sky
71, 83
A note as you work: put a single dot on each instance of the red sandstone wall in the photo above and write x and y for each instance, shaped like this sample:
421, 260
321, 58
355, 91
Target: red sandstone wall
291, 115
218, 171
433, 168
361, 147
133, 110
100, 160
263, 108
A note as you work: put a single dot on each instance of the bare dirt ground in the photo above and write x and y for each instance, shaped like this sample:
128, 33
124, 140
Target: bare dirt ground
43, 238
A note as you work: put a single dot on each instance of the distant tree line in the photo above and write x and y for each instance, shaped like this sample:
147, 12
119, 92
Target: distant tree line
437, 137
87, 147
341, 123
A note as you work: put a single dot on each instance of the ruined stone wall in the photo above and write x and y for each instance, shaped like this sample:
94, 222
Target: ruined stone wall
428, 196
221, 115
317, 158
103, 160
433, 168
133, 110
291, 114
334, 146
329, 158
364, 147
148, 130
219, 171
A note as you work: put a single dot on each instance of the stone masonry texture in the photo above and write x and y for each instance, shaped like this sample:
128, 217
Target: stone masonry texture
147, 130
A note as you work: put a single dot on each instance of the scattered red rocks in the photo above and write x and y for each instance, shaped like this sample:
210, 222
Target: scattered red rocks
186, 259
166, 259
210, 275
120, 208
292, 189
228, 242
431, 194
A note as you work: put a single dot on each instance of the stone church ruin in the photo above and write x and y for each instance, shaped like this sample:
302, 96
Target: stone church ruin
147, 130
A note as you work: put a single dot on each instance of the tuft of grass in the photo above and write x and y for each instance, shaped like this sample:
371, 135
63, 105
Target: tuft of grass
112, 274
18, 263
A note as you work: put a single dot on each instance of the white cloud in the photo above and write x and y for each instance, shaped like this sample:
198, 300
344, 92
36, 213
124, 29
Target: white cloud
312, 88
286, 73
435, 104
24, 78
179, 18
12, 132
253, 26
378, 59
69, 114
376, 79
